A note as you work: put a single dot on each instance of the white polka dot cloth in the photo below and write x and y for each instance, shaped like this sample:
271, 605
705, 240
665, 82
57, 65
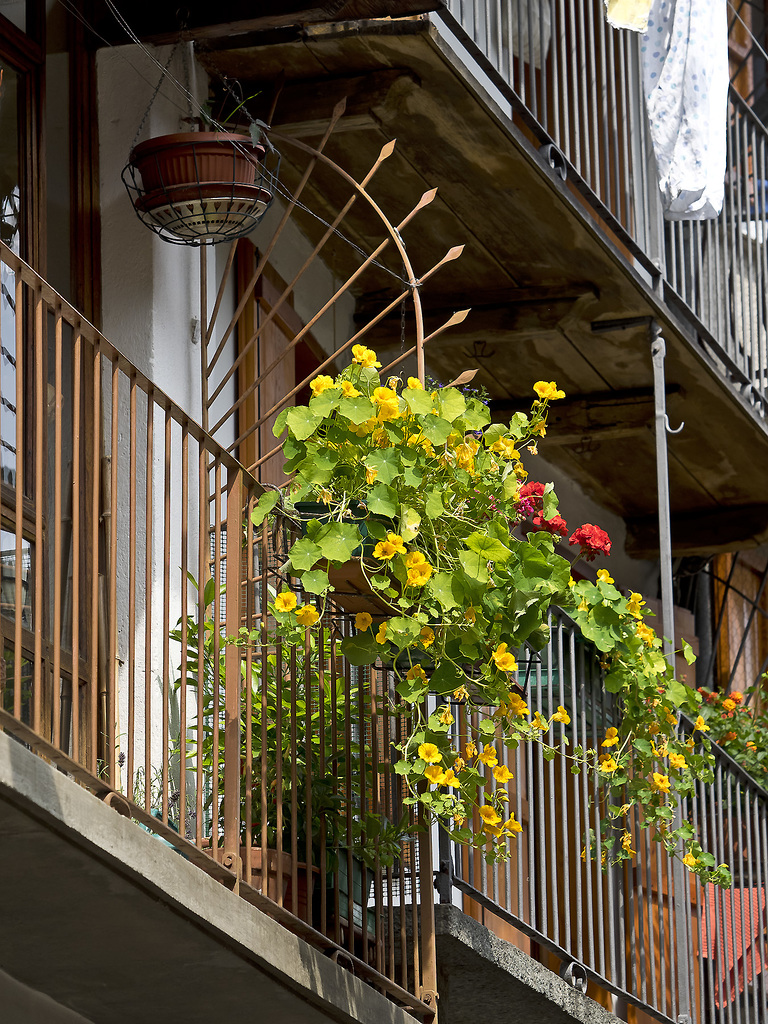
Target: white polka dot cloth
684, 53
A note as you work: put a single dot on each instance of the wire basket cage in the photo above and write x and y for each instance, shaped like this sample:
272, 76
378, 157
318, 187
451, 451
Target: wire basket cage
201, 188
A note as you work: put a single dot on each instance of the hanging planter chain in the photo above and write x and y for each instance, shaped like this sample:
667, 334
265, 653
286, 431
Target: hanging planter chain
200, 188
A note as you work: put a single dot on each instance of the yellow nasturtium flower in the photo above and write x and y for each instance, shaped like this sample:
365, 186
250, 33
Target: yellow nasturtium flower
490, 815
689, 860
502, 774
427, 636
489, 756
503, 660
449, 779
428, 752
470, 750
660, 783
419, 574
517, 705
645, 633
390, 547
604, 576
677, 760
363, 621
634, 603
414, 384
388, 402
321, 383
285, 602
505, 447
561, 715
381, 635
307, 615
700, 725
608, 765
364, 356
434, 773
547, 390
611, 737
348, 389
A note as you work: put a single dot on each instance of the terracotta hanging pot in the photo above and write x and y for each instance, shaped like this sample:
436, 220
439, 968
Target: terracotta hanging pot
196, 158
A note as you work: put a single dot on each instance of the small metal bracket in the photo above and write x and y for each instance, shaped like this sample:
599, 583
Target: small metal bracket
118, 803
343, 959
555, 159
575, 974
683, 1018
428, 996
669, 429
444, 881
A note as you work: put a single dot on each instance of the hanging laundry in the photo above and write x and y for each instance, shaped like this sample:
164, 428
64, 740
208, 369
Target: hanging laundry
631, 14
684, 54
531, 29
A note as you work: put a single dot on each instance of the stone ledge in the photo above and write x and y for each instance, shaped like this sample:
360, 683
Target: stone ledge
478, 970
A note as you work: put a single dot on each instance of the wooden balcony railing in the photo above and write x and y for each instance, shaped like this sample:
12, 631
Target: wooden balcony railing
136, 654
139, 655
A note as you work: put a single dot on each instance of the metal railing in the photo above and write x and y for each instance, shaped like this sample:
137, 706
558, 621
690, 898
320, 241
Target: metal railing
644, 932
577, 84
137, 653
270, 765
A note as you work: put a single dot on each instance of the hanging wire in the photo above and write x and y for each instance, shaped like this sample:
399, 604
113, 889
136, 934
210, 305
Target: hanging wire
192, 102
163, 73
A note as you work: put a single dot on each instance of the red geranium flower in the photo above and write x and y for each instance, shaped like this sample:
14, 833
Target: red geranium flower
532, 490
592, 541
556, 525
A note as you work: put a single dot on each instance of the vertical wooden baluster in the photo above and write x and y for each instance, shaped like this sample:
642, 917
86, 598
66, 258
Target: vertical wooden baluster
166, 610
148, 520
232, 678
112, 619
202, 576
184, 630
21, 448
216, 618
132, 591
39, 625
249, 665
263, 563
56, 701
93, 730
76, 393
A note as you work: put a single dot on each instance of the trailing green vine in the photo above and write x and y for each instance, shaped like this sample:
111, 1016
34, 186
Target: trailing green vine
459, 549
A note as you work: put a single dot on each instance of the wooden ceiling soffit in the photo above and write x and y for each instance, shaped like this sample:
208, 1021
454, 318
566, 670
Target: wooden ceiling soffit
588, 418
302, 107
703, 532
159, 23
498, 315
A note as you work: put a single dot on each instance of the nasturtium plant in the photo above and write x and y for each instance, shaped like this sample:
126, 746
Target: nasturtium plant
460, 549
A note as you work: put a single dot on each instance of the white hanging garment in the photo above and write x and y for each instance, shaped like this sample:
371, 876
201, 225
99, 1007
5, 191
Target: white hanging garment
631, 14
531, 25
684, 54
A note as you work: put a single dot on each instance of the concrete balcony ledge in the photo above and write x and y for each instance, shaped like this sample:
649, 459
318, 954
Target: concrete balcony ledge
476, 969
113, 925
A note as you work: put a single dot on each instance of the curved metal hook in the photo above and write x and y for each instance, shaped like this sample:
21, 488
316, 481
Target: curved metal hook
669, 429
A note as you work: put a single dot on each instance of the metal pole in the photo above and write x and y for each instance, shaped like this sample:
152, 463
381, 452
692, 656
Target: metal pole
681, 903
658, 352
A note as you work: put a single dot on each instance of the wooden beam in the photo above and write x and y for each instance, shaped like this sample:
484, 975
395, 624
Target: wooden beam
701, 532
159, 23
497, 316
303, 107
